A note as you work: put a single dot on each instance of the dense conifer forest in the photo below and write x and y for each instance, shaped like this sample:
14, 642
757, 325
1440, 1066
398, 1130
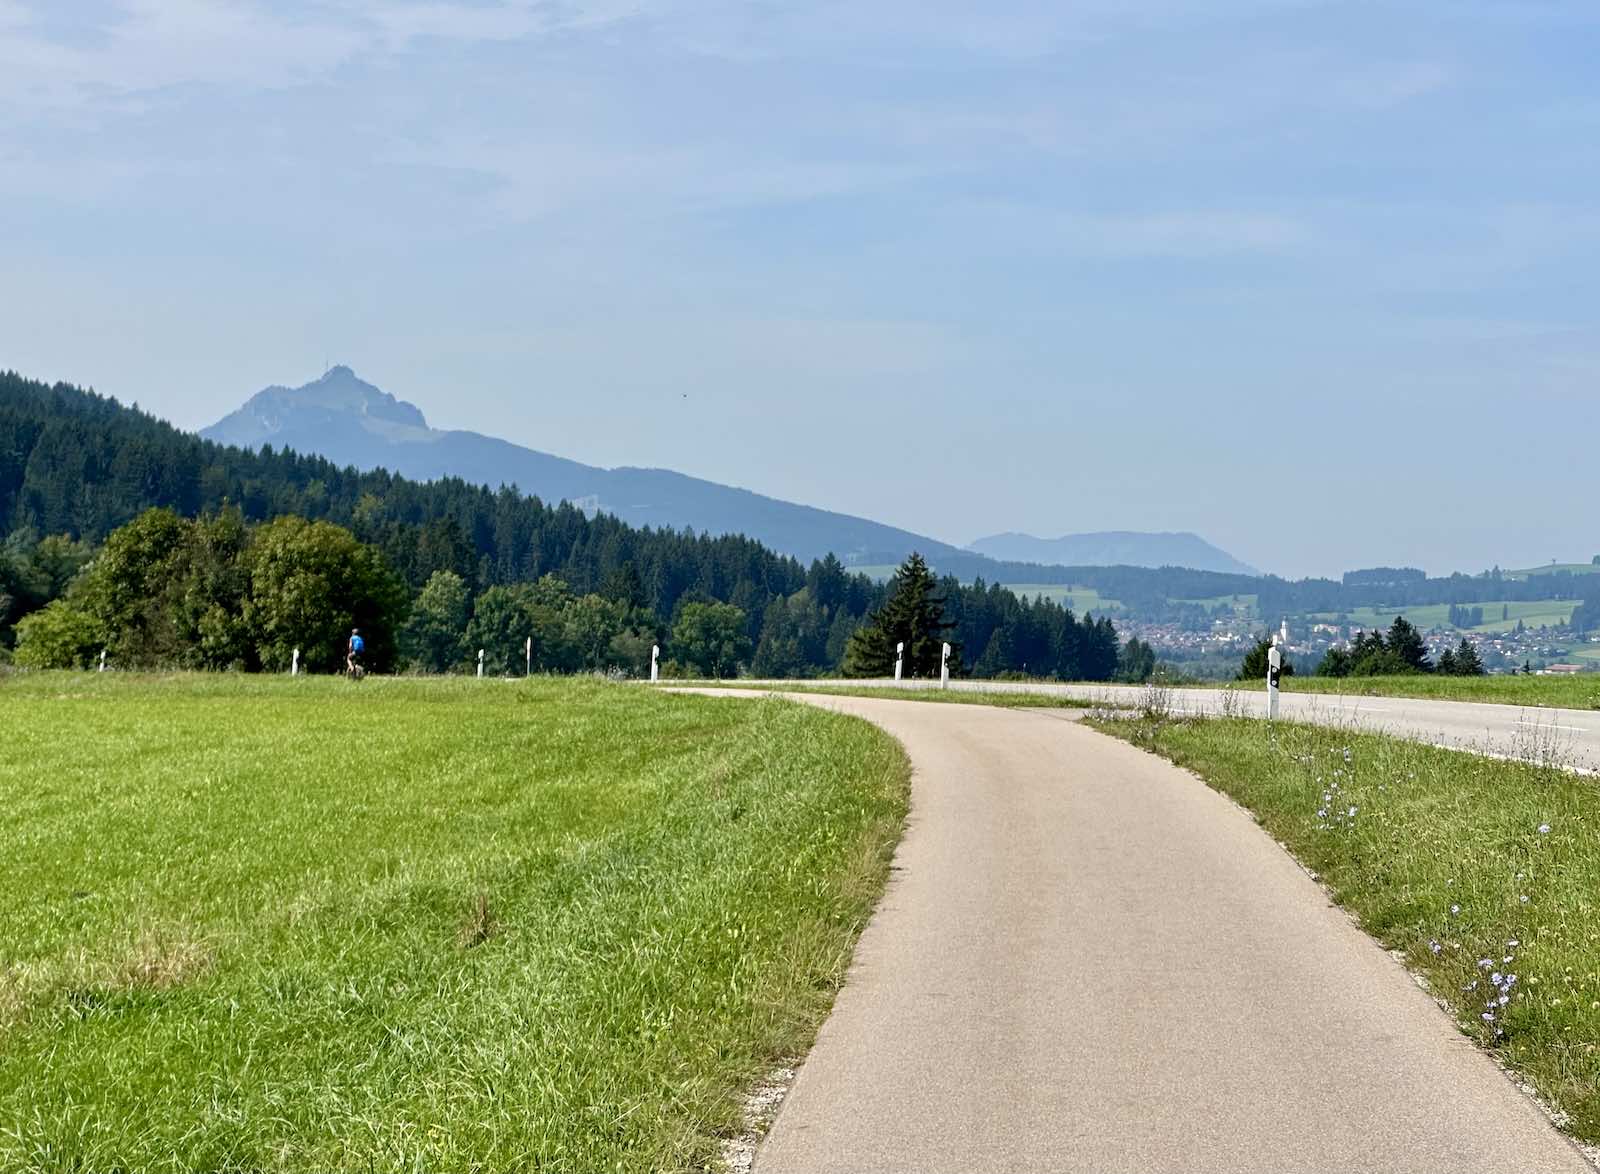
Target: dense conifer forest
207, 580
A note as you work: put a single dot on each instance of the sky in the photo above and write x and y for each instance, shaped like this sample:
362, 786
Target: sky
1319, 282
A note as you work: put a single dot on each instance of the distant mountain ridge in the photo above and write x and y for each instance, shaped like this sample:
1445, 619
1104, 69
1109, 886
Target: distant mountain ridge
351, 422
1127, 548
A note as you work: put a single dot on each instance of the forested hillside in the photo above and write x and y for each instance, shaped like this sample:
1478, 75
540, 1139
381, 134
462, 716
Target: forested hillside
75, 467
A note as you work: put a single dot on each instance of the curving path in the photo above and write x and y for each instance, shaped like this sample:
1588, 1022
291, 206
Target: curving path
1088, 961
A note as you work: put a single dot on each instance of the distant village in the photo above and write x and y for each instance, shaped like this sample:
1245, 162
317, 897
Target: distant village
1544, 649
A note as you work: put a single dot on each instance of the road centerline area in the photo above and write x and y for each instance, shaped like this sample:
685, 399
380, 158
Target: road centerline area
1089, 961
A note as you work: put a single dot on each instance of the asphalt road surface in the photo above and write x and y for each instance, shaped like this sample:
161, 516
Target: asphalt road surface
1086, 960
1514, 731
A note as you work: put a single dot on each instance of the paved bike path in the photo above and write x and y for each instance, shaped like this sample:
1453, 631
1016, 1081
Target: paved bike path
1086, 960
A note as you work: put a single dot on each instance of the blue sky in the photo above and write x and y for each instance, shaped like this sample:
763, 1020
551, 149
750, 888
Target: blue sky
1320, 282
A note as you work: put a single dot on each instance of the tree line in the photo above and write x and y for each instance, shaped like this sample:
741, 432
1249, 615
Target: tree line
1401, 651
166, 549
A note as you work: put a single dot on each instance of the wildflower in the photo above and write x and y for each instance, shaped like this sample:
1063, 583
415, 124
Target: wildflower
1523, 898
1544, 829
1485, 963
1454, 909
1488, 1016
1496, 978
1503, 1000
1513, 942
1509, 958
1352, 813
1434, 945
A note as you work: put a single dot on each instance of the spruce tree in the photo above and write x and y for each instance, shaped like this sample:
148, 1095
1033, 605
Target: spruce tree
1468, 662
912, 615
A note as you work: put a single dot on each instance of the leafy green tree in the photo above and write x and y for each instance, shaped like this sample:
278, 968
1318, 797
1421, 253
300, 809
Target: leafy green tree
1254, 667
129, 585
912, 615
1334, 663
206, 594
310, 584
34, 571
630, 652
59, 636
434, 637
506, 616
502, 619
592, 623
710, 638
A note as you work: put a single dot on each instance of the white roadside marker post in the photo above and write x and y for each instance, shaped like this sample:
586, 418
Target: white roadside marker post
655, 663
899, 659
480, 664
527, 651
1274, 672
944, 669
102, 660
294, 664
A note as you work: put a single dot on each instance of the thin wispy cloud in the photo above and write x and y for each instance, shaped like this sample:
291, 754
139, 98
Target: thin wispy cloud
859, 220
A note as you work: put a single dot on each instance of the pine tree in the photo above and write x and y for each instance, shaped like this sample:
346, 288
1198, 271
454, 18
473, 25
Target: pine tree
1406, 644
912, 615
1468, 662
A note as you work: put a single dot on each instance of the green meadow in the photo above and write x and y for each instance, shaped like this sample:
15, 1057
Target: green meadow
273, 925
1080, 599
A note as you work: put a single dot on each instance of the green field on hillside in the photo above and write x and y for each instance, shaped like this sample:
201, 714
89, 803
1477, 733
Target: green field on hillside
1080, 599
275, 925
1571, 568
1532, 613
1474, 869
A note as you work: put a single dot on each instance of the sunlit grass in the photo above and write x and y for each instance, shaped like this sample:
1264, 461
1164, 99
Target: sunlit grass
421, 925
1580, 691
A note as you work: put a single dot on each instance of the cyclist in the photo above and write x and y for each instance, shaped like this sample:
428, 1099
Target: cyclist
352, 655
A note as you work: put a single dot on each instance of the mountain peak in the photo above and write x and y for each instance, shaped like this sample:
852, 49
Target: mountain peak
337, 401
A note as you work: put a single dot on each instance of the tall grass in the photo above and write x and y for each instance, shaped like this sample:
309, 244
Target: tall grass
416, 925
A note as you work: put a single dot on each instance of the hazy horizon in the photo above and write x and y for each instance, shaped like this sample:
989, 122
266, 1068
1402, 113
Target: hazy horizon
1317, 284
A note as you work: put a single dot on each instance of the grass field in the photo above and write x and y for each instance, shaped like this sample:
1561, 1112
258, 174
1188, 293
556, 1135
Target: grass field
253, 924
1559, 692
1473, 869
1532, 613
1080, 599
1083, 598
